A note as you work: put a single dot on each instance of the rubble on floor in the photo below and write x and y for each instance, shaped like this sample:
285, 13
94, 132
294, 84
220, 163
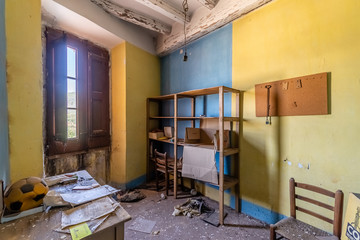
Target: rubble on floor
132, 196
192, 207
236, 226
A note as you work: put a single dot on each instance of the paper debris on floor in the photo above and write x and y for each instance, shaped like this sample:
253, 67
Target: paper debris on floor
88, 212
80, 197
142, 225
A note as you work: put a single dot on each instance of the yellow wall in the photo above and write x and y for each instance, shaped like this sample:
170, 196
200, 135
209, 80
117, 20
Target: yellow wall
25, 95
289, 38
142, 81
118, 116
135, 76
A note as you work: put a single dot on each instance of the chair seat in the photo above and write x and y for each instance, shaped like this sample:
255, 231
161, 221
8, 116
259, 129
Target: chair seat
294, 229
170, 163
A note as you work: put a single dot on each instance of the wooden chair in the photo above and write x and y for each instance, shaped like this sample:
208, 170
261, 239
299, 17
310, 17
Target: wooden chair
291, 228
165, 165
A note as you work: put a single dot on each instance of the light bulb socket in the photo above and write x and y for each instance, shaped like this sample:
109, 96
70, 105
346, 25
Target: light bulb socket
185, 57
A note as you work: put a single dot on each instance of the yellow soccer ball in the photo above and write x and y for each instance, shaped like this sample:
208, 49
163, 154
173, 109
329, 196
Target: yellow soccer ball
25, 194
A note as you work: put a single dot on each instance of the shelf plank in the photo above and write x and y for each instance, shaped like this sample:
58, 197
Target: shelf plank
163, 97
158, 117
229, 182
162, 140
230, 119
195, 118
194, 93
206, 91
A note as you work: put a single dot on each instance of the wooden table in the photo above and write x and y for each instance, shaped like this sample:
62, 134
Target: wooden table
40, 226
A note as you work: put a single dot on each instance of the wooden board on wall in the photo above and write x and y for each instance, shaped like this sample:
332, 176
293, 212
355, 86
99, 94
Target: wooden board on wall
307, 95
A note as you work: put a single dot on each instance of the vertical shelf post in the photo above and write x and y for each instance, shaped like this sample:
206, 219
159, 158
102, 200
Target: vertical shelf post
193, 111
147, 140
237, 143
193, 126
221, 155
175, 143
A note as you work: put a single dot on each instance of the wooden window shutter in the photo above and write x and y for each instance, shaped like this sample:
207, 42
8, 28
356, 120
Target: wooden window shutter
98, 101
56, 87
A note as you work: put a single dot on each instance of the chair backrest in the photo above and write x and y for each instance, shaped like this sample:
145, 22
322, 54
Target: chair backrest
161, 159
337, 208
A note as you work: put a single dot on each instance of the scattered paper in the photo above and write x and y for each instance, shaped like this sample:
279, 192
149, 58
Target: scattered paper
142, 225
80, 231
87, 212
77, 198
86, 187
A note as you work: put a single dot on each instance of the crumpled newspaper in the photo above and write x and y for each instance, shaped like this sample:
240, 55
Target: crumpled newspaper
192, 207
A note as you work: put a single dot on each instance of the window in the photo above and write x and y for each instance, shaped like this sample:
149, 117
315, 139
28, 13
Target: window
72, 124
77, 86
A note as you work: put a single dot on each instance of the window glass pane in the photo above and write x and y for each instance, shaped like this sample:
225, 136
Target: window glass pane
71, 93
71, 62
71, 123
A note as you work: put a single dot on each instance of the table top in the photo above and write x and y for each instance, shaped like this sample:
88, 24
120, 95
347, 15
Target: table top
41, 225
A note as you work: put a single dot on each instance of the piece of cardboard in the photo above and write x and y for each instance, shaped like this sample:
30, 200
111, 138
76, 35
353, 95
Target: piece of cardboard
156, 135
351, 226
192, 135
226, 139
199, 163
169, 132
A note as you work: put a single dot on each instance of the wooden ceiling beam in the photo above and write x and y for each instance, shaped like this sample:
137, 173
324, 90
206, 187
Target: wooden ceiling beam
165, 9
132, 17
210, 4
204, 22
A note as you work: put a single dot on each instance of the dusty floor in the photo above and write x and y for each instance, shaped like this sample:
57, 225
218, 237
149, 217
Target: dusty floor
237, 225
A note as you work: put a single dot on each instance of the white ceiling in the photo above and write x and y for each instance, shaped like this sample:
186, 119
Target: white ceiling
140, 8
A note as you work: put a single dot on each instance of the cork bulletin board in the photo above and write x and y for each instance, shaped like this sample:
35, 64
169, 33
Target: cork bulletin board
307, 95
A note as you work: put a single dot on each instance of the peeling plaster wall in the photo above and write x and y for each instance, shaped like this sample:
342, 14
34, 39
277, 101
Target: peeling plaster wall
4, 132
94, 161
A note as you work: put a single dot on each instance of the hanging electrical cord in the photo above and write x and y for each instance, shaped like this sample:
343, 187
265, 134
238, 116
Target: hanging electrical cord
186, 9
268, 117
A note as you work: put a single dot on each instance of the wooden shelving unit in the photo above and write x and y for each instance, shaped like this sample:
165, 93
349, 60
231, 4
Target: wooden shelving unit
225, 181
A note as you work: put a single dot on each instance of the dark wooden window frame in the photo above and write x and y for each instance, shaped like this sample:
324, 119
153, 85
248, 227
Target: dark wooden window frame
93, 121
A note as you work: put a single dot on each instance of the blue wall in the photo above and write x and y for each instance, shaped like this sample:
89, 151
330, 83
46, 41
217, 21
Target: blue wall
4, 133
209, 64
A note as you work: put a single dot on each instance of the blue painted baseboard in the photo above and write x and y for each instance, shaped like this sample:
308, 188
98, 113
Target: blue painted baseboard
136, 182
260, 213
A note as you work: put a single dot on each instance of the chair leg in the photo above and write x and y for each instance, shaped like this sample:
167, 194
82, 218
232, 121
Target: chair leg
157, 180
182, 183
272, 232
167, 184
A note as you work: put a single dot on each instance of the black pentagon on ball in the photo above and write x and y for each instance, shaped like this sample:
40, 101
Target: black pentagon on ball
39, 197
15, 206
27, 188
